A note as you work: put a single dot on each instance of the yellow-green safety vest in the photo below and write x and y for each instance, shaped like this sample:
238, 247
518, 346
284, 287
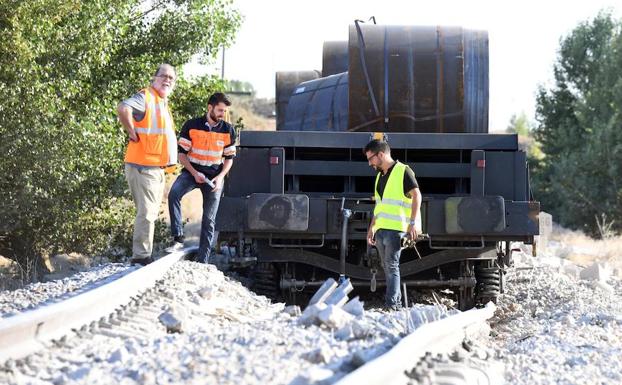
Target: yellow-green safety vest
393, 210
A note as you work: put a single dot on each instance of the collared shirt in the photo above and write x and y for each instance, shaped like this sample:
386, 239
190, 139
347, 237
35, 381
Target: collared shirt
201, 124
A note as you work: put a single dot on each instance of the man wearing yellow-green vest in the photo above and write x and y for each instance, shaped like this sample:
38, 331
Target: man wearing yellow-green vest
396, 215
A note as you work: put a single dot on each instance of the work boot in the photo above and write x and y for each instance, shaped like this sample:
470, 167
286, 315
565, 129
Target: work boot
392, 308
141, 261
178, 244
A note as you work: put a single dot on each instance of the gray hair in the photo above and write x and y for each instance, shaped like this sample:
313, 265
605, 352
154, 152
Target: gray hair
163, 66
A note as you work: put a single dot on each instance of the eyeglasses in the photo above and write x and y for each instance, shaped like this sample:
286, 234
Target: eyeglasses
168, 77
372, 157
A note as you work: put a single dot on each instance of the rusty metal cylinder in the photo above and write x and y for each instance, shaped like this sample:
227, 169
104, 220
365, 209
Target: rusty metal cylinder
286, 82
399, 79
334, 57
319, 105
417, 79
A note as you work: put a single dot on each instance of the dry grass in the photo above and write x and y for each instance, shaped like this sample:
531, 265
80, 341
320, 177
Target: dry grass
10, 277
253, 113
191, 210
583, 250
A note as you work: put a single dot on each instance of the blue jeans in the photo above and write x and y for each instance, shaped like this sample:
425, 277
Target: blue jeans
389, 245
184, 184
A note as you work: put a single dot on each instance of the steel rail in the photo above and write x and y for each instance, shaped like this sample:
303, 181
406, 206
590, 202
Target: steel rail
439, 336
31, 330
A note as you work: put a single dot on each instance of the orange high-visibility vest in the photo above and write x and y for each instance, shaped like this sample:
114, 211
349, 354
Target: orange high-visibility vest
151, 148
207, 148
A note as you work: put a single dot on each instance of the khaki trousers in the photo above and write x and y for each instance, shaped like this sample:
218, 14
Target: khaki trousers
147, 188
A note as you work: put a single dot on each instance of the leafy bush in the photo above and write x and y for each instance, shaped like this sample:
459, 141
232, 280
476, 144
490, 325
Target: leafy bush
64, 66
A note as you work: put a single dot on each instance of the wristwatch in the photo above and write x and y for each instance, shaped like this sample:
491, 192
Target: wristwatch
412, 222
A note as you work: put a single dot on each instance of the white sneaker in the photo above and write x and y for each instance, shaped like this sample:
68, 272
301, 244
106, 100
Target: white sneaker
176, 246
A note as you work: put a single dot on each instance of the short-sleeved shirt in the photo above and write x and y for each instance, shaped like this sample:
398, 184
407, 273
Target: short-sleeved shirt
202, 124
137, 103
410, 182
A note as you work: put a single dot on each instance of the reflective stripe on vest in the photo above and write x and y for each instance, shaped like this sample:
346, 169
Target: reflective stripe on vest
207, 147
392, 212
151, 148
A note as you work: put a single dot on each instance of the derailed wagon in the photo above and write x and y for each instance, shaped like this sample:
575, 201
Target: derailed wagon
298, 201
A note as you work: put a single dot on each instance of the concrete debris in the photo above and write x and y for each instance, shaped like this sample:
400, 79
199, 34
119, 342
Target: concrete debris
340, 296
313, 375
309, 315
421, 314
321, 355
571, 270
172, 319
323, 292
334, 317
119, 355
361, 357
206, 292
355, 307
292, 310
605, 287
355, 330
596, 272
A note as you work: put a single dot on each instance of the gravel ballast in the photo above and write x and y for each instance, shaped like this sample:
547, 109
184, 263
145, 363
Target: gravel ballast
557, 323
553, 327
36, 294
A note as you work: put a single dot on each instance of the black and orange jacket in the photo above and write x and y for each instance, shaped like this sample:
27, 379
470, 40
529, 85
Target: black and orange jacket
206, 146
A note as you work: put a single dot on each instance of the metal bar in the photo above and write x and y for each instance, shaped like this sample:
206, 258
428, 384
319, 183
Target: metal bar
27, 332
312, 258
386, 82
440, 86
397, 140
345, 168
458, 282
478, 173
361, 47
298, 245
345, 216
277, 175
442, 335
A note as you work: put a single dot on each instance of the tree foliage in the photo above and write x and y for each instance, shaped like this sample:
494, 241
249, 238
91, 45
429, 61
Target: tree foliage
579, 179
64, 66
519, 124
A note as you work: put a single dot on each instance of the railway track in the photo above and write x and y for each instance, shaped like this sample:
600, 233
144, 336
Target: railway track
134, 331
29, 331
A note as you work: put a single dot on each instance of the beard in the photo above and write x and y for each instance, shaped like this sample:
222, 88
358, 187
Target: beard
213, 117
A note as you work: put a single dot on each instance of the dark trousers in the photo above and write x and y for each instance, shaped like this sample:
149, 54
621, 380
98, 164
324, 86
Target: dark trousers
389, 245
184, 184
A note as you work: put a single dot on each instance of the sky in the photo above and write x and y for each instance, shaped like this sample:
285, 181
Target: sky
524, 36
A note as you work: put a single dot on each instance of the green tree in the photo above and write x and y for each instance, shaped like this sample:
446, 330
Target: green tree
519, 124
64, 65
579, 178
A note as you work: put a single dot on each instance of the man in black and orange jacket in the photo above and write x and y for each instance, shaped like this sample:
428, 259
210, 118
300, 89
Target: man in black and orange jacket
206, 150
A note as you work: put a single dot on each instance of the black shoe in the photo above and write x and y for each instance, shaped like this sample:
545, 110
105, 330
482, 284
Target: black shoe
176, 245
141, 261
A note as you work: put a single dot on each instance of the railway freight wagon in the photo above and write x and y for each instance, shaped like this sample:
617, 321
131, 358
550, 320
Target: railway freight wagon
298, 201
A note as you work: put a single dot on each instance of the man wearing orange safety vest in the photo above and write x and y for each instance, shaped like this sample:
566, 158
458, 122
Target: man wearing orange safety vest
206, 150
396, 214
152, 146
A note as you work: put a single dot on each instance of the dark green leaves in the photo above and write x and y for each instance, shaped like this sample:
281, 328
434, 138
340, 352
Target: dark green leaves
64, 66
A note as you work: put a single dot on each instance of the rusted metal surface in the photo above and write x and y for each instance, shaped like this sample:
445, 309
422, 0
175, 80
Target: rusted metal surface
420, 74
286, 83
334, 57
